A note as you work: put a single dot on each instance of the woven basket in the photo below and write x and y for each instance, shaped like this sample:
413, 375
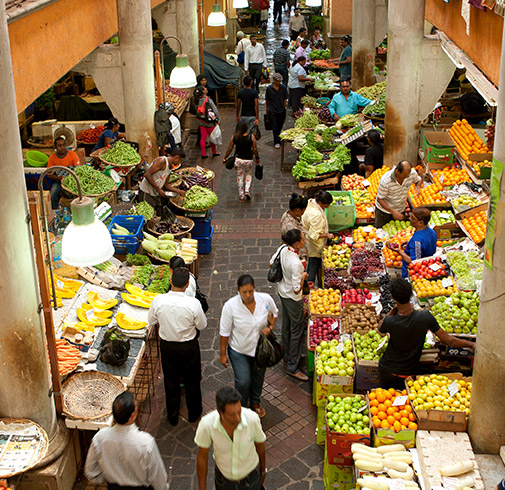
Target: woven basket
151, 226
177, 202
89, 395
120, 169
109, 196
43, 450
195, 169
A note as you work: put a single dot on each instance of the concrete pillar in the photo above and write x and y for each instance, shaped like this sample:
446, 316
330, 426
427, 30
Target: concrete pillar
363, 43
187, 31
405, 42
137, 63
24, 366
487, 423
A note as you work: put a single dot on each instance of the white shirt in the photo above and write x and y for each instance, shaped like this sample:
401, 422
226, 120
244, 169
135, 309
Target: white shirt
238, 457
126, 456
176, 129
292, 271
393, 193
242, 45
191, 289
294, 71
243, 327
296, 22
254, 54
178, 315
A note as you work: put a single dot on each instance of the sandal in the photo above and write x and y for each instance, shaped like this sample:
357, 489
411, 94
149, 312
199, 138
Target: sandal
298, 375
259, 410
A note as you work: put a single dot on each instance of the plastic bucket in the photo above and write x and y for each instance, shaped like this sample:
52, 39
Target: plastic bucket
36, 158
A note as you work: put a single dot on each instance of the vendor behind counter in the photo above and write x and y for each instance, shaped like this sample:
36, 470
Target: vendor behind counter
109, 134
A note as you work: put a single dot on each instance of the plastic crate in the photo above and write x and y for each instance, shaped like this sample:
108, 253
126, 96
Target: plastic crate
124, 244
205, 243
202, 227
341, 217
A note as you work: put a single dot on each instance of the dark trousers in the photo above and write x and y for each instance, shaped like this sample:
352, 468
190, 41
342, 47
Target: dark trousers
293, 328
113, 486
277, 120
283, 70
391, 380
278, 11
313, 268
250, 482
381, 218
181, 360
255, 73
295, 97
294, 35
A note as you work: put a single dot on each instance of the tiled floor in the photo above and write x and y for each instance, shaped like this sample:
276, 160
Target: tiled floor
245, 236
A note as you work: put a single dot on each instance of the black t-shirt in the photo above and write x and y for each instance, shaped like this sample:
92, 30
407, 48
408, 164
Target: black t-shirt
243, 147
374, 155
276, 98
248, 96
406, 340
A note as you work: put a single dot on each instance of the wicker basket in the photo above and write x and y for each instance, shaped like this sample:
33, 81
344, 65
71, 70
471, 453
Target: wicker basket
109, 196
89, 395
22, 424
151, 226
195, 169
122, 170
178, 201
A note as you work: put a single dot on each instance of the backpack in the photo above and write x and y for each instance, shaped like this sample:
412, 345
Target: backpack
115, 347
204, 113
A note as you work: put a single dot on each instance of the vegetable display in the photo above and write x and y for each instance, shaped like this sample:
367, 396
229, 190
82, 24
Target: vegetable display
199, 198
92, 181
142, 208
91, 135
379, 108
191, 177
349, 120
178, 97
319, 54
304, 167
137, 259
161, 281
292, 133
174, 228
325, 115
68, 357
309, 120
372, 91
121, 154
323, 141
309, 101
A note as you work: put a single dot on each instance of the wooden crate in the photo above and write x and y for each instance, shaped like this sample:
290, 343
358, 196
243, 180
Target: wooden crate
437, 449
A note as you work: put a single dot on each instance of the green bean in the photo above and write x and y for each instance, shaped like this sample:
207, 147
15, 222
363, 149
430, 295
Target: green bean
92, 181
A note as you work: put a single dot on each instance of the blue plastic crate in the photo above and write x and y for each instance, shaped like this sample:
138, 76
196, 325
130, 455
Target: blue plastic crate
205, 243
124, 244
202, 227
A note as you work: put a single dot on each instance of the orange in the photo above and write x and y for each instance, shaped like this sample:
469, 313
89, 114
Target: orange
397, 426
408, 408
390, 419
392, 391
388, 403
382, 407
403, 413
412, 426
385, 424
391, 411
372, 395
383, 415
377, 423
374, 403
412, 417
404, 421
381, 397
374, 410
397, 415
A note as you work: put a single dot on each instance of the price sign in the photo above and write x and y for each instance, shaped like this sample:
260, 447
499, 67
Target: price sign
341, 252
435, 267
447, 282
365, 182
334, 326
381, 345
397, 484
444, 216
90, 314
453, 388
340, 347
441, 178
362, 409
348, 240
450, 483
370, 209
92, 126
367, 229
400, 400
60, 284
378, 308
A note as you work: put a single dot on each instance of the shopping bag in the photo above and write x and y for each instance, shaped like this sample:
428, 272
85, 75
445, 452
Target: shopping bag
258, 172
269, 351
215, 137
255, 131
267, 121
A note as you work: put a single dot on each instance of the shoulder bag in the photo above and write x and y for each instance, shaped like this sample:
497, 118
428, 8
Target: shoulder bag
275, 271
258, 171
230, 162
269, 351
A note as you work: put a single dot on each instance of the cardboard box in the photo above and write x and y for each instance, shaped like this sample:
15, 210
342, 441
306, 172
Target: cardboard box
469, 213
438, 147
337, 476
443, 420
367, 373
331, 385
448, 231
321, 425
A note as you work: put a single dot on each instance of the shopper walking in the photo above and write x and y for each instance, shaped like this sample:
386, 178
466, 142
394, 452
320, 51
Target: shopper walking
245, 147
243, 319
290, 292
296, 22
315, 225
124, 456
255, 59
247, 104
296, 84
242, 44
207, 117
282, 60
180, 318
278, 11
238, 442
292, 219
276, 98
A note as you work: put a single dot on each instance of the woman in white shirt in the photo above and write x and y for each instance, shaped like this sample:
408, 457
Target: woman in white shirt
175, 263
243, 318
296, 83
290, 292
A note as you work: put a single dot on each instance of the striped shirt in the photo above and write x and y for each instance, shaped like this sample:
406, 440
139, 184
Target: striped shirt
126, 456
393, 193
281, 57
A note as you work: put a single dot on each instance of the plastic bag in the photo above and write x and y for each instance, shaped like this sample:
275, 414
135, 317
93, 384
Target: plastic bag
115, 347
268, 351
215, 137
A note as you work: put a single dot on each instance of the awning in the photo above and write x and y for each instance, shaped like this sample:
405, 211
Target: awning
474, 75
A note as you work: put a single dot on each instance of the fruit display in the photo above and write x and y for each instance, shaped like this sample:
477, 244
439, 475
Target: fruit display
387, 415
127, 323
489, 134
64, 287
89, 315
361, 197
325, 302
370, 346
347, 415
356, 296
440, 218
459, 313
450, 176
163, 247
467, 266
464, 202
90, 136
177, 97
341, 200
476, 166
425, 288
372, 91
308, 120
365, 210
393, 460
121, 154
359, 318
364, 234
395, 226
374, 180
427, 195
336, 256
352, 182
334, 279
334, 358
92, 181
401, 238
137, 296
466, 139
432, 393
428, 269
366, 263
322, 329
98, 303
475, 226
387, 302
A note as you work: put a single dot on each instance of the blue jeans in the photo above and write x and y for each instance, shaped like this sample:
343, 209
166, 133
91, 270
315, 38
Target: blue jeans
250, 482
313, 268
55, 193
248, 381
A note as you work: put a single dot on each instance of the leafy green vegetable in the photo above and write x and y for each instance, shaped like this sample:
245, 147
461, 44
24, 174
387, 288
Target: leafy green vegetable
319, 54
291, 133
198, 197
137, 259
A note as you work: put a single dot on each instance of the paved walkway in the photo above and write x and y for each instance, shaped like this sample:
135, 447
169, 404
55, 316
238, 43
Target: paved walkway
245, 236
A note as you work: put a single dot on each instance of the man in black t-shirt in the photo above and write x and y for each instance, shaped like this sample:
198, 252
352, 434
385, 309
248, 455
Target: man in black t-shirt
374, 155
407, 330
276, 98
247, 104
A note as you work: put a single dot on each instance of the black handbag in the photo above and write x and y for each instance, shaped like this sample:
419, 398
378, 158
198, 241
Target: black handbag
230, 162
269, 351
258, 172
275, 271
255, 131
202, 298
267, 122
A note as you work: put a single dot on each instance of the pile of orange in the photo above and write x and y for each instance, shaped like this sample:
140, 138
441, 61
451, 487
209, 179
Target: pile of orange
392, 258
426, 288
427, 195
478, 165
451, 176
466, 139
385, 416
476, 226
374, 180
365, 210
364, 234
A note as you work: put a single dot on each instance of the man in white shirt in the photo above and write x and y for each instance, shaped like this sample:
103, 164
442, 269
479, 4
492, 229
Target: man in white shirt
124, 456
180, 319
238, 442
255, 58
393, 193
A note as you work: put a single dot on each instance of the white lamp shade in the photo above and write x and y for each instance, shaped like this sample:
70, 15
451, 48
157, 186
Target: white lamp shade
183, 77
216, 17
313, 3
86, 245
240, 4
